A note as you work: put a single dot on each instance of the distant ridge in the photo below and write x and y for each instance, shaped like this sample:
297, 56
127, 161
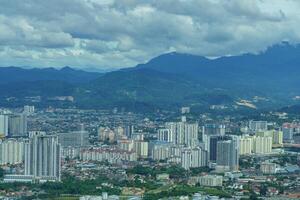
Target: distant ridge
268, 79
66, 74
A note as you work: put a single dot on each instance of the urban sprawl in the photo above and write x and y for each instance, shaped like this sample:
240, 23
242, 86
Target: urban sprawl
112, 154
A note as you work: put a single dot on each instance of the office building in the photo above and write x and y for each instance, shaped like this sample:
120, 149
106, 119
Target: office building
227, 155
213, 141
74, 139
289, 130
214, 129
209, 130
17, 125
43, 157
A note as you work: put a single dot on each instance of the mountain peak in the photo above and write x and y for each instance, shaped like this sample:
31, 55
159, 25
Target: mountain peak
67, 69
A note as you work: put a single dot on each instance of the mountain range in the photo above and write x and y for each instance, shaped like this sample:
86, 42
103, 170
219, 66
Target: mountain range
267, 79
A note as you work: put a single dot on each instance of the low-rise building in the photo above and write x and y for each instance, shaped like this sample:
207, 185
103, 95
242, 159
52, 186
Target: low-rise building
268, 168
210, 180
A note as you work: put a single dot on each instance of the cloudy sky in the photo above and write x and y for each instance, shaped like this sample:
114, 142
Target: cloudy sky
109, 34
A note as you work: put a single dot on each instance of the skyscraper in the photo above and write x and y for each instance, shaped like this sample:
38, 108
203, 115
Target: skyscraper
213, 141
42, 157
227, 155
209, 130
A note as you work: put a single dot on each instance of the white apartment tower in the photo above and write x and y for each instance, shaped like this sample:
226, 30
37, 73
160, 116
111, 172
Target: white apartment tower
3, 125
42, 156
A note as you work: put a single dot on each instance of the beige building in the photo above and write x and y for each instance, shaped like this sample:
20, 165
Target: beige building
262, 145
277, 136
141, 148
246, 145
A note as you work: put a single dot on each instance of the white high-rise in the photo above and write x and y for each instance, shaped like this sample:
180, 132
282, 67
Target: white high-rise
11, 151
183, 133
193, 157
3, 125
42, 157
28, 110
165, 135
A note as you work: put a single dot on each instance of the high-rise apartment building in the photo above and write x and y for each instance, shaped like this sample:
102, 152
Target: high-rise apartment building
43, 157
3, 125
183, 133
277, 136
193, 157
262, 145
164, 135
17, 125
11, 151
246, 145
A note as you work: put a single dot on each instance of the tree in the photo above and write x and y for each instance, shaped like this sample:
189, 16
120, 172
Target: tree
1, 173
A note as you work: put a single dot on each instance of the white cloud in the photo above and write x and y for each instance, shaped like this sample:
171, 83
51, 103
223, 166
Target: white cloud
122, 33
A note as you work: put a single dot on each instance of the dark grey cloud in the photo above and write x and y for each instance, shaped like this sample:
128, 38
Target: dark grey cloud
121, 33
